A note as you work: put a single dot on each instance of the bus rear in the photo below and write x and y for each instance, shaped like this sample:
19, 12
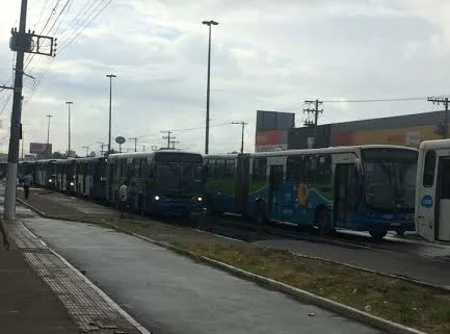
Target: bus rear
388, 189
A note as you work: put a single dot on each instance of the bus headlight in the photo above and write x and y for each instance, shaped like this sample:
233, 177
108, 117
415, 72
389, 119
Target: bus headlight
199, 198
156, 198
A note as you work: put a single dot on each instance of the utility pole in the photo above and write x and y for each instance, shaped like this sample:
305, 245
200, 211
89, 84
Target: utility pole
110, 76
69, 103
173, 142
135, 143
313, 108
168, 137
20, 42
438, 100
243, 124
143, 148
209, 23
87, 150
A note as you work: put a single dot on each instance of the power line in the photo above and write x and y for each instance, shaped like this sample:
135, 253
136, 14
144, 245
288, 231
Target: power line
377, 100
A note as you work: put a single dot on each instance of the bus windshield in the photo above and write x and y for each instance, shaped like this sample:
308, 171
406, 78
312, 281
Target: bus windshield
390, 179
180, 177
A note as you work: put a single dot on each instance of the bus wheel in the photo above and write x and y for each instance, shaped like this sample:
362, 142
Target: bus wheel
323, 220
377, 235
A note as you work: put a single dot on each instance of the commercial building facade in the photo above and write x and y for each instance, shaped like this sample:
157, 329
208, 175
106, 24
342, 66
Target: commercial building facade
407, 130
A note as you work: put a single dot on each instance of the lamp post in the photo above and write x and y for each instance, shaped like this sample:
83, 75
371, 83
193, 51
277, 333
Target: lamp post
209, 23
110, 76
69, 103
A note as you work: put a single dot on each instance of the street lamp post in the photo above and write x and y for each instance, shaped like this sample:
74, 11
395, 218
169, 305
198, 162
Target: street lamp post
110, 76
209, 24
69, 103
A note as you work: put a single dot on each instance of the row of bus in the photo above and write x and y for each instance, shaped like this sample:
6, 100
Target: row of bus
375, 188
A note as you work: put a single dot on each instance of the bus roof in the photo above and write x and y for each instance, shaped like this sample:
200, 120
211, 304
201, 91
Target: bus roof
147, 154
435, 144
338, 149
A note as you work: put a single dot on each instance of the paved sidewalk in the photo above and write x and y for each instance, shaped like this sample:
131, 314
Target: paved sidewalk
28, 306
42, 293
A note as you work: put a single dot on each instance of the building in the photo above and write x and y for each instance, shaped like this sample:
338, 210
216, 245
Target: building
272, 128
407, 130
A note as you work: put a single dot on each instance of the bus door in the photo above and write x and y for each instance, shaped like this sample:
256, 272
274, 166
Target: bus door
242, 182
442, 226
345, 194
275, 195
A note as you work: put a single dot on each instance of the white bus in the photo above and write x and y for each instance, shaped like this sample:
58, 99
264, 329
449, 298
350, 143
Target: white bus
432, 212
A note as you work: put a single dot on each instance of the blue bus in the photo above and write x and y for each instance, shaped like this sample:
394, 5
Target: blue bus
165, 181
362, 188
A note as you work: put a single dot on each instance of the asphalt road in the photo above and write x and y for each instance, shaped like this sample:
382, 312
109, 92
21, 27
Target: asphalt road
171, 294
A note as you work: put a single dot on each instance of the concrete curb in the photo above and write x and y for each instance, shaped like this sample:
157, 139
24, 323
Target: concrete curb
438, 288
102, 294
301, 295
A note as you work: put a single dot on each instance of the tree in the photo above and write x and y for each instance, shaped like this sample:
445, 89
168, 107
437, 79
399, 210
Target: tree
58, 155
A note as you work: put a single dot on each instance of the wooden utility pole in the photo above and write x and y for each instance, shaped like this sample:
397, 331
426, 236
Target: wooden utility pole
168, 137
243, 124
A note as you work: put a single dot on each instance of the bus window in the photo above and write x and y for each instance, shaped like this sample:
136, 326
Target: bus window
220, 169
259, 169
428, 170
310, 168
229, 169
294, 169
324, 169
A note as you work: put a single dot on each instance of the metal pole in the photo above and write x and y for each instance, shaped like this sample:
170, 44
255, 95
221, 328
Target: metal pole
242, 138
68, 142
208, 87
208, 84
48, 129
446, 117
13, 152
110, 76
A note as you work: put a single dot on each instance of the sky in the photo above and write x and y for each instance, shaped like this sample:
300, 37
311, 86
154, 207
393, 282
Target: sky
267, 55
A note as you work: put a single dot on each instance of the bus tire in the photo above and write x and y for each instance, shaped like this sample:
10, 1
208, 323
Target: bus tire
377, 235
323, 220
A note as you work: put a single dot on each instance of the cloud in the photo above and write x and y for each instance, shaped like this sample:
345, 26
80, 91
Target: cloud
265, 55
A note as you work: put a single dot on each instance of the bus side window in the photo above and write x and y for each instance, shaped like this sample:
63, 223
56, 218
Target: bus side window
294, 169
259, 169
229, 169
428, 170
310, 168
324, 169
220, 169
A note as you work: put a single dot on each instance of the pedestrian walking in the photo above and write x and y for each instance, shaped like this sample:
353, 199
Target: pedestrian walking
27, 179
123, 198
4, 234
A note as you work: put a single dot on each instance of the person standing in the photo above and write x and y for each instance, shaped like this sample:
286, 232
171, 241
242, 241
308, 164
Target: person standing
27, 179
123, 198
